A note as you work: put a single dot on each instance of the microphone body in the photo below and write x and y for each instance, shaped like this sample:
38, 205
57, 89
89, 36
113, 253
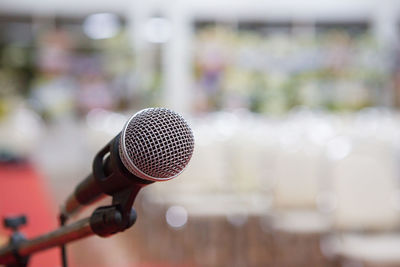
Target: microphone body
108, 176
156, 144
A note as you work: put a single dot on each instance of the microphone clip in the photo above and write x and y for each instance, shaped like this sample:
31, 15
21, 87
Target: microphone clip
119, 216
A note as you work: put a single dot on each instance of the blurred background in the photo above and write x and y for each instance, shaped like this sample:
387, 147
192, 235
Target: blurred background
294, 107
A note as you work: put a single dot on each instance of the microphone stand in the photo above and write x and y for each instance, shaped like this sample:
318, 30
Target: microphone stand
104, 221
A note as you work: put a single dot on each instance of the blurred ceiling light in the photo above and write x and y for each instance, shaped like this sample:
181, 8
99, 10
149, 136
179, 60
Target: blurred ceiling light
226, 124
176, 216
237, 220
158, 30
320, 132
101, 25
338, 148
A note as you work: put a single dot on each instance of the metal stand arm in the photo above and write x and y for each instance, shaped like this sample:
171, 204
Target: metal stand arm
63, 235
104, 222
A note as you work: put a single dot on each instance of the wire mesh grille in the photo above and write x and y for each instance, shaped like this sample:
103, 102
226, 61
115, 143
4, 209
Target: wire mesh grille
156, 144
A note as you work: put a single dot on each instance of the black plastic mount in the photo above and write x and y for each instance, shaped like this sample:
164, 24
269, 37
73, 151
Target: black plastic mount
114, 179
14, 223
109, 175
118, 217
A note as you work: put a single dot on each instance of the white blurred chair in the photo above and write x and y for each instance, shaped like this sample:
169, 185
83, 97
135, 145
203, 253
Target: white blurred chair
297, 174
296, 179
296, 221
366, 217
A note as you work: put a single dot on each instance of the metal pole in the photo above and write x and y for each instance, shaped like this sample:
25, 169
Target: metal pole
63, 235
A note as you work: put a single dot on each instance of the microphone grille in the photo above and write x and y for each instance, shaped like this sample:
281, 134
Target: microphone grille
156, 144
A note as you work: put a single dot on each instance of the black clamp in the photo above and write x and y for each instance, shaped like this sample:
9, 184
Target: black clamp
118, 217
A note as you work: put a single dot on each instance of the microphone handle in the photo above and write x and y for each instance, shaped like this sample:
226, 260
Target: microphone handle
88, 191
108, 177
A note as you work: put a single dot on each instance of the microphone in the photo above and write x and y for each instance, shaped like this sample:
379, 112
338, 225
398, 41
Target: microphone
156, 144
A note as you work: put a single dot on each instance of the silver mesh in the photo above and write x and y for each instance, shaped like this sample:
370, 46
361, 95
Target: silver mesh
156, 144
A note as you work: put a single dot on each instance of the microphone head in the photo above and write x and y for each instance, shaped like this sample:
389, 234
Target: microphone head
156, 144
